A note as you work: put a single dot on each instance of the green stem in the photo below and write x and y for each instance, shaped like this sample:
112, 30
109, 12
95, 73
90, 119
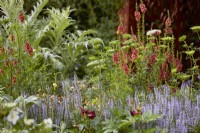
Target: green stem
138, 31
143, 28
198, 35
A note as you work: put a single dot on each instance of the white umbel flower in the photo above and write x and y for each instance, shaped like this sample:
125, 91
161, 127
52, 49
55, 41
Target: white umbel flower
28, 121
48, 123
9, 105
13, 116
154, 32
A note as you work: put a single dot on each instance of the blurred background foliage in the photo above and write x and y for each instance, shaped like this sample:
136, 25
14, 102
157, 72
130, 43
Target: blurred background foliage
100, 15
103, 16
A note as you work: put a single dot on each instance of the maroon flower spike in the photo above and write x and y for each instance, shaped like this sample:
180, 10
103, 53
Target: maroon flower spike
127, 58
168, 22
134, 37
15, 63
120, 30
14, 79
168, 30
152, 58
169, 57
125, 69
10, 50
143, 8
134, 54
91, 114
2, 71
157, 48
28, 48
164, 72
178, 65
137, 15
2, 50
7, 63
115, 58
21, 17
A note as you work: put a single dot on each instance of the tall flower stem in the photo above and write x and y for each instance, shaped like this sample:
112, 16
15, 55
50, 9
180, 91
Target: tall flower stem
138, 32
143, 28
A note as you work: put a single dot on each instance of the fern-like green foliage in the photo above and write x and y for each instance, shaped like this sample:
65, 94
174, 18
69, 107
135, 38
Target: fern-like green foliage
7, 9
38, 25
76, 47
50, 58
59, 21
37, 9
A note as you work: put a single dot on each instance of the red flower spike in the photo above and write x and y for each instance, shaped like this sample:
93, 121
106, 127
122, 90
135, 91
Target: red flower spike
14, 80
178, 65
143, 7
15, 63
153, 41
10, 51
7, 63
152, 58
168, 22
115, 58
1, 50
164, 72
21, 17
127, 58
125, 69
137, 15
134, 54
157, 48
2, 71
28, 48
120, 30
134, 37
169, 57
168, 30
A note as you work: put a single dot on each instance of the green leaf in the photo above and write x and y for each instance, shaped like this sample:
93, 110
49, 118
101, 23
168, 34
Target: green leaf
182, 38
87, 33
195, 28
194, 68
81, 127
190, 53
124, 124
32, 100
128, 42
167, 39
127, 36
116, 42
95, 62
183, 77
